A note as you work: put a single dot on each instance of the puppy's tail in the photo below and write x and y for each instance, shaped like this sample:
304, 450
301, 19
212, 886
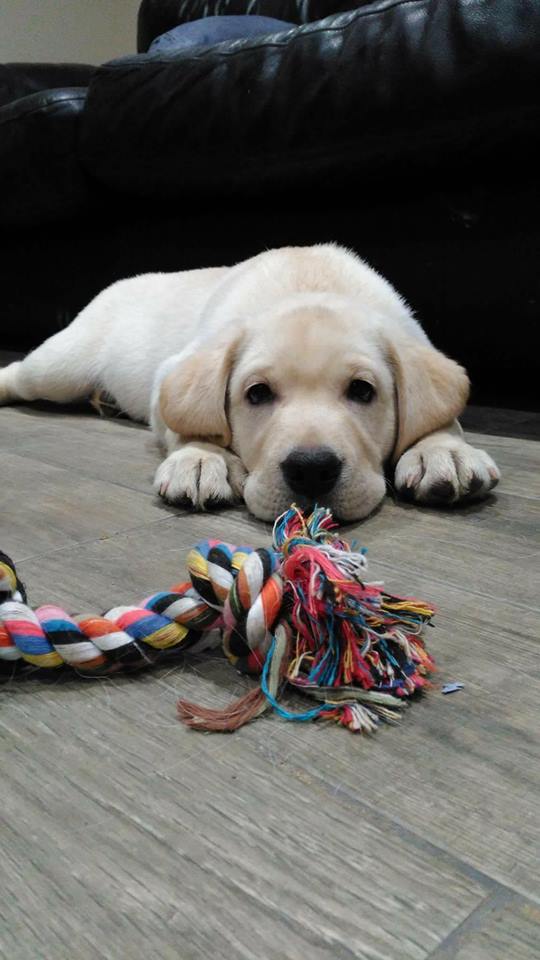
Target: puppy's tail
8, 389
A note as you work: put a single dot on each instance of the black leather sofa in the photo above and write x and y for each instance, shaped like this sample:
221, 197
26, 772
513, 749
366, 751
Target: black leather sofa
406, 129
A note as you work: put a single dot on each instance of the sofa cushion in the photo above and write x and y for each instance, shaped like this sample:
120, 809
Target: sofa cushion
387, 88
40, 174
211, 30
158, 16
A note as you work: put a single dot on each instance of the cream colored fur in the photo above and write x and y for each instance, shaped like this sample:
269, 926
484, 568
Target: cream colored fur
181, 351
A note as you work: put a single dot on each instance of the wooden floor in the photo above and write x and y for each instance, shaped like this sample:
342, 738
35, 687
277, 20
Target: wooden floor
127, 836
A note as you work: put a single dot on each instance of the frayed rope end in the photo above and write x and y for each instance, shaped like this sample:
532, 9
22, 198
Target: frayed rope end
231, 718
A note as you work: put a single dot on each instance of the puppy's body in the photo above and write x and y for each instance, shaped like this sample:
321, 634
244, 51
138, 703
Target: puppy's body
118, 341
188, 352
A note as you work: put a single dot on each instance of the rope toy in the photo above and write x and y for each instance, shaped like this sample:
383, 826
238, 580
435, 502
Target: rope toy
300, 613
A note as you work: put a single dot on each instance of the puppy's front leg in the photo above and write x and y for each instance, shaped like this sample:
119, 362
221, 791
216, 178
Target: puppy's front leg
443, 468
199, 475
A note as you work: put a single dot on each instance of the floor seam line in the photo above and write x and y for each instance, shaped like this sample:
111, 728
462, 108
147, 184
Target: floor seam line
405, 831
113, 536
455, 586
446, 949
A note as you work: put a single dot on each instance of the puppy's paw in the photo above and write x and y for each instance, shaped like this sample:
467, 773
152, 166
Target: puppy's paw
445, 471
200, 476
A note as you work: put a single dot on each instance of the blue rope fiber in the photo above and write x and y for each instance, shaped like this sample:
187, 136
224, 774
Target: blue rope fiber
286, 714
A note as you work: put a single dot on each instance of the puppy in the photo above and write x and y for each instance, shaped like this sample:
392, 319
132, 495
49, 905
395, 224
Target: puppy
299, 374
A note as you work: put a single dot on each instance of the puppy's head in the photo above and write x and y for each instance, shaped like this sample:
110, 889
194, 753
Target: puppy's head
315, 395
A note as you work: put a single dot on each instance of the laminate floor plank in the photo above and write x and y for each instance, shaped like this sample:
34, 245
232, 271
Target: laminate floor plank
118, 451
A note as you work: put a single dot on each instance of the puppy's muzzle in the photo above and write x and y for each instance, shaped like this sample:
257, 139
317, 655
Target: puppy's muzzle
311, 471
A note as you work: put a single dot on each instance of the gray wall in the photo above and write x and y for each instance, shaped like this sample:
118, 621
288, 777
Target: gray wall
84, 31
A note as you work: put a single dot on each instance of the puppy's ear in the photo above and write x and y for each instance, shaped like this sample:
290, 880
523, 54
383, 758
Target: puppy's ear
193, 395
432, 390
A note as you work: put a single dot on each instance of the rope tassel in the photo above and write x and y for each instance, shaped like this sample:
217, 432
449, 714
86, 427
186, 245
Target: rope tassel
300, 614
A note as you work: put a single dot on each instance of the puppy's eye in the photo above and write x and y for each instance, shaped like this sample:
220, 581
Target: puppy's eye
259, 393
360, 391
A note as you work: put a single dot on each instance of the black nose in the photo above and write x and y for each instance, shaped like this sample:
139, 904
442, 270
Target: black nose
311, 471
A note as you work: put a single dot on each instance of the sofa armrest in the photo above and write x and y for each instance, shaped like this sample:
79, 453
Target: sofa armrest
158, 16
40, 174
24, 79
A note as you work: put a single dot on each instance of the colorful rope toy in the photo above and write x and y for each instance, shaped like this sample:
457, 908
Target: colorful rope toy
300, 614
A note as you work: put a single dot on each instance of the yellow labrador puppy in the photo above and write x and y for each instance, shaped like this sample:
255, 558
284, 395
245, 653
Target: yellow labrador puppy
299, 374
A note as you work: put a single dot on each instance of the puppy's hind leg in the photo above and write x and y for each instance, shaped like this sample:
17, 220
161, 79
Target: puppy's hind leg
61, 369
